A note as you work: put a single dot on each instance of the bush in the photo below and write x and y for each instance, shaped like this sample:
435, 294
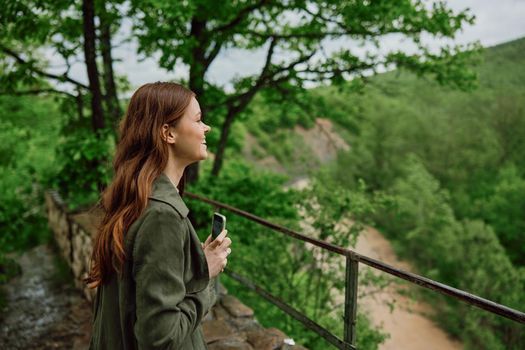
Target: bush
85, 167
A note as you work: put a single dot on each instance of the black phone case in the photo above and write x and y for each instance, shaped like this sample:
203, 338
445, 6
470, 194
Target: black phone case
217, 226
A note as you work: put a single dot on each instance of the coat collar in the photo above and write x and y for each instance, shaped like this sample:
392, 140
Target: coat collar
163, 190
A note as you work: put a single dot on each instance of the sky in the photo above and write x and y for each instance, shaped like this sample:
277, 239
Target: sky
496, 22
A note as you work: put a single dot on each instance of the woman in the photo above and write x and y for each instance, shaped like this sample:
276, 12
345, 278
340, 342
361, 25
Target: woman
152, 273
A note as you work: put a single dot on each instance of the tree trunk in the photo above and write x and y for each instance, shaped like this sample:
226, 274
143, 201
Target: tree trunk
225, 131
233, 111
110, 98
196, 83
237, 107
79, 101
88, 14
97, 113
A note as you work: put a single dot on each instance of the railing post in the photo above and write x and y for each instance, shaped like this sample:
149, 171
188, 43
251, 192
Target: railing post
350, 299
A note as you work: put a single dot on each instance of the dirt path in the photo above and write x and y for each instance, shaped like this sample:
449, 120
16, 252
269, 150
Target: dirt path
43, 311
407, 324
408, 327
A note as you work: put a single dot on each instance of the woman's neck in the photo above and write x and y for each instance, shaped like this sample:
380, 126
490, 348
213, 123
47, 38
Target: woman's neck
174, 172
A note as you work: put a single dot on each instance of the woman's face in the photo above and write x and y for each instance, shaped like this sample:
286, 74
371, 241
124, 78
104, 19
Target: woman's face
190, 135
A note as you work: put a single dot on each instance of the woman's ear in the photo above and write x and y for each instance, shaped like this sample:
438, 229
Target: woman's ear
168, 134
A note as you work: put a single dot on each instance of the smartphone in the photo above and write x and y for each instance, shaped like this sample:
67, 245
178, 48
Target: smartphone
218, 225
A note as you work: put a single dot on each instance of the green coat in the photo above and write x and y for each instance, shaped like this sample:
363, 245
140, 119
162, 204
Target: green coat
165, 289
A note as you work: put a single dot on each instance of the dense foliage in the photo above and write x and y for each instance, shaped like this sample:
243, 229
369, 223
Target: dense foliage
28, 130
42, 147
301, 275
454, 164
471, 143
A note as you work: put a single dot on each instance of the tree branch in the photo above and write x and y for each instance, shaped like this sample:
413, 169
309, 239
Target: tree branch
337, 71
241, 98
268, 60
321, 35
240, 16
228, 26
326, 19
213, 53
265, 78
292, 65
62, 78
311, 35
36, 92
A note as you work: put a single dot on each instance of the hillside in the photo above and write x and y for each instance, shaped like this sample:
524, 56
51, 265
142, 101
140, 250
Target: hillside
464, 138
500, 75
452, 166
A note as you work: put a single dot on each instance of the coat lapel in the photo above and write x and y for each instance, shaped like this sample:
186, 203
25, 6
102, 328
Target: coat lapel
163, 190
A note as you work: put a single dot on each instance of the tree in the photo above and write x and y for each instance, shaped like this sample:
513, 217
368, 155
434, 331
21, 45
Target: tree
69, 30
195, 32
503, 209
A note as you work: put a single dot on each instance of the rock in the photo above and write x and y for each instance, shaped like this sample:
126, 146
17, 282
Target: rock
215, 330
292, 347
245, 324
235, 307
268, 339
220, 313
230, 344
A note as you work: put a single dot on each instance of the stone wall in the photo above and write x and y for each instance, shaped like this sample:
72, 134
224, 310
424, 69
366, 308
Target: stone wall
229, 324
73, 240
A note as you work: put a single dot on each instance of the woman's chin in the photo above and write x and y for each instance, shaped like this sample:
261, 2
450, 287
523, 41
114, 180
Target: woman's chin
204, 152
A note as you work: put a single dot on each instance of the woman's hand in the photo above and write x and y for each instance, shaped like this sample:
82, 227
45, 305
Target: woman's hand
216, 252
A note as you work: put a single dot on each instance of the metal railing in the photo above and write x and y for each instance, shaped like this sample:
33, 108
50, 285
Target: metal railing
352, 265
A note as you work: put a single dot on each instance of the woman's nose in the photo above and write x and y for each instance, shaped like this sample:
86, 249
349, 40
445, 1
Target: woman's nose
207, 128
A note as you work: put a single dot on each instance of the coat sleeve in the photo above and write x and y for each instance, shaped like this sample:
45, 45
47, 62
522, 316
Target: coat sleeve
165, 314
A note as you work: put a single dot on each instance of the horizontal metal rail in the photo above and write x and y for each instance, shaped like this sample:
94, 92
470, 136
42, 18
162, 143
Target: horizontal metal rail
468, 298
309, 323
459, 294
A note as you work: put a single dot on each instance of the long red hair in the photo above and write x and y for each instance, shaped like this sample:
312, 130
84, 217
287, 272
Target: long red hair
140, 157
